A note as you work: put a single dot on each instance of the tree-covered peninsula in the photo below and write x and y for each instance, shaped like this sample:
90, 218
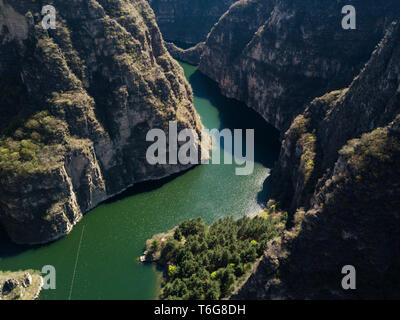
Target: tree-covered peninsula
202, 262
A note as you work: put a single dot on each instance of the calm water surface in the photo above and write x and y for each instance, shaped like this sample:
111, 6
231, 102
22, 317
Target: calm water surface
112, 236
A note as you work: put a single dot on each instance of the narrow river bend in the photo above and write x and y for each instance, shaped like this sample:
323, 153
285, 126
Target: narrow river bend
112, 236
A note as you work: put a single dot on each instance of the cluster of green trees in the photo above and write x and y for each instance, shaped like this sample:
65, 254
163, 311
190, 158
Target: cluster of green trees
22, 149
207, 262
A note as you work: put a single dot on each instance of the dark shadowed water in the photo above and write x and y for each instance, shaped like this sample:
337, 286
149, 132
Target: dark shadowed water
111, 237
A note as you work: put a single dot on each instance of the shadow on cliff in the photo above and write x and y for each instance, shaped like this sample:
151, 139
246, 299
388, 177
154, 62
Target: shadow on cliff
146, 186
234, 114
265, 194
8, 248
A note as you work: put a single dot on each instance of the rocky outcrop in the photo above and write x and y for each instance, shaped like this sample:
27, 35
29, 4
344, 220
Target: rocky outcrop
188, 21
278, 55
339, 171
20, 285
191, 55
76, 104
312, 143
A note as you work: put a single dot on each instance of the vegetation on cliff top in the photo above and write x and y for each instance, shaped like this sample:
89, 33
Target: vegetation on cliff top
28, 149
20, 285
203, 262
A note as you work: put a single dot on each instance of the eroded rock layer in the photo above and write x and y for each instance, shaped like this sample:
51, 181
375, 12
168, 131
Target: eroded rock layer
76, 104
278, 55
339, 171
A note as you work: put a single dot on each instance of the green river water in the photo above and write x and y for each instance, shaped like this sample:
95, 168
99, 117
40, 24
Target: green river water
111, 237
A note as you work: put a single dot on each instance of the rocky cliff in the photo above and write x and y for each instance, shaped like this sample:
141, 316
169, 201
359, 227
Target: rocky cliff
277, 55
339, 170
191, 55
188, 21
76, 103
20, 285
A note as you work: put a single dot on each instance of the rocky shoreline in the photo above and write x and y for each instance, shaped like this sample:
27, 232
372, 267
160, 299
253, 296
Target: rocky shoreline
158, 250
99, 94
20, 285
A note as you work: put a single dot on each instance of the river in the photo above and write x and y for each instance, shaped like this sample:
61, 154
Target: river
111, 237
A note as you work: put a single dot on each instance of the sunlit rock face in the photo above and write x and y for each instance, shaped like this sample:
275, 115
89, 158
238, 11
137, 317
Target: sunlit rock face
76, 104
278, 55
338, 173
20, 285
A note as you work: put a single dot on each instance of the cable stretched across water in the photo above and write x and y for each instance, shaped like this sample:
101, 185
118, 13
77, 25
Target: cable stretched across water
76, 263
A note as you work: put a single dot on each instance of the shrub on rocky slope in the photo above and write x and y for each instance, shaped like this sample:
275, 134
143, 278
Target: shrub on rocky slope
76, 108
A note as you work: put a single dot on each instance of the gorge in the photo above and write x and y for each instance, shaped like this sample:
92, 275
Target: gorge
282, 58
85, 94
115, 232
